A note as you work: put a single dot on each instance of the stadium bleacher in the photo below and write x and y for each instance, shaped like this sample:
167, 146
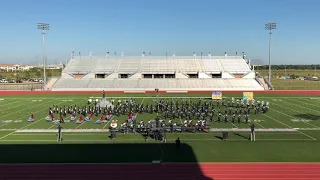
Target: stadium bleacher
165, 73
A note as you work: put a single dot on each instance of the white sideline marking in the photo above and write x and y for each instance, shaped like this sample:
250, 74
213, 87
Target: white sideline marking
211, 130
28, 124
54, 134
290, 127
8, 129
105, 130
291, 116
297, 102
63, 130
166, 97
103, 133
142, 140
28, 107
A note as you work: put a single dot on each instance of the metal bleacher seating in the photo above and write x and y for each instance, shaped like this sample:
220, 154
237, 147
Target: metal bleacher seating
137, 67
101, 83
76, 65
210, 65
72, 83
161, 66
106, 66
234, 65
129, 65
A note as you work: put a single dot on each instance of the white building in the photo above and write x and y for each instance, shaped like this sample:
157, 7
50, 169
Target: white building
15, 67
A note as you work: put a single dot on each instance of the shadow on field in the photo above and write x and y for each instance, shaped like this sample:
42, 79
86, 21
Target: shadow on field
308, 116
242, 136
106, 153
237, 134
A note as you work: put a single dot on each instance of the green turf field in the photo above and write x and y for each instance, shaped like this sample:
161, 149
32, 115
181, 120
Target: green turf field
293, 124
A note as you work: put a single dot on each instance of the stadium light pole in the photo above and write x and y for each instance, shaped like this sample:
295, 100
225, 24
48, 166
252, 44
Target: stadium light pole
44, 27
270, 27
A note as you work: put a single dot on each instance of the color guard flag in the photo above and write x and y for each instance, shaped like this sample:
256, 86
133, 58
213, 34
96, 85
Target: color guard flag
247, 96
131, 117
109, 115
216, 95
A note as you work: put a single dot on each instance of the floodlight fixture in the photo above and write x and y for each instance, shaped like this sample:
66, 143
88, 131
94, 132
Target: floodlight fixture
269, 27
44, 27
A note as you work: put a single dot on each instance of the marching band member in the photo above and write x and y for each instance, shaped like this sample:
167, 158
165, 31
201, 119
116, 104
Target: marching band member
99, 121
108, 116
52, 117
80, 120
88, 118
73, 116
61, 119
31, 118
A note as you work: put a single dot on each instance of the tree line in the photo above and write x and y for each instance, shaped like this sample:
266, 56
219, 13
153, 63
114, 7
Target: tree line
295, 67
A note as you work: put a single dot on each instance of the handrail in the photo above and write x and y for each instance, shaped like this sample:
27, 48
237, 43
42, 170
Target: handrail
268, 83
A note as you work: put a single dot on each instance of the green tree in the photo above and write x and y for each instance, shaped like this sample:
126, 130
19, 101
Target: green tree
27, 74
38, 74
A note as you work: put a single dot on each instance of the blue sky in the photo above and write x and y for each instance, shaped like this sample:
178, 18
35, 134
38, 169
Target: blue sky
159, 26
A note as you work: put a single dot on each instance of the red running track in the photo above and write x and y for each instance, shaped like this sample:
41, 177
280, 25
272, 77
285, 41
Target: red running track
172, 171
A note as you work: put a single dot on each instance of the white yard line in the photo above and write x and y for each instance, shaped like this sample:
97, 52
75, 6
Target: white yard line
234, 125
21, 128
289, 127
299, 102
259, 124
4, 124
114, 115
181, 121
140, 107
9, 104
28, 107
78, 102
108, 122
30, 123
301, 106
313, 100
21, 117
289, 115
70, 116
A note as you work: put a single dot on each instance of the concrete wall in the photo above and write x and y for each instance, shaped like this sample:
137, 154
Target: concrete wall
89, 76
226, 75
250, 75
135, 76
113, 76
66, 75
181, 76
204, 75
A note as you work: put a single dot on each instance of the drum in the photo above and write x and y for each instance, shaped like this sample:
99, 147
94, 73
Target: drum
114, 124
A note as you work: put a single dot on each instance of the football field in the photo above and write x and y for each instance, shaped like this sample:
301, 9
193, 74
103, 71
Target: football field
290, 128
